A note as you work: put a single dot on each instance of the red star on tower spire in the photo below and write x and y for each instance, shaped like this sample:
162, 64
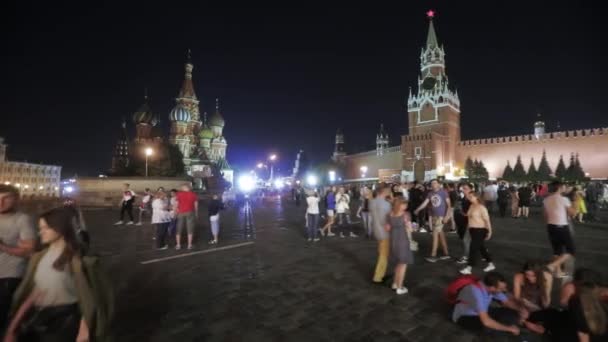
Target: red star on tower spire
430, 14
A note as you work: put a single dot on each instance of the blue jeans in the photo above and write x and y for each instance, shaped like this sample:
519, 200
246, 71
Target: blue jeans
312, 225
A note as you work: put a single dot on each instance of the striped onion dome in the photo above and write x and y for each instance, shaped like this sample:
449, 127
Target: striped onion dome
144, 115
179, 113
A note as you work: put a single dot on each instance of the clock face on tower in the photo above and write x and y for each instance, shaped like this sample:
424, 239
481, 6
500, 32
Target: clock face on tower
429, 83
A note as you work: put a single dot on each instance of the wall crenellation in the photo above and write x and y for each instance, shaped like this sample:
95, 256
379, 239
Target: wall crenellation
579, 133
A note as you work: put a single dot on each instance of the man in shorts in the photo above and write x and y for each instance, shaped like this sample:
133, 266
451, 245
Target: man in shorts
557, 208
187, 213
440, 208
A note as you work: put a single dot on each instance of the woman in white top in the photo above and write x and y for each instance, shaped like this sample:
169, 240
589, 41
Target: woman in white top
48, 299
312, 216
161, 218
480, 230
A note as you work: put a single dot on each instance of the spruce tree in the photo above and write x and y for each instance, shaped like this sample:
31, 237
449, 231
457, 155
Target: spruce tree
482, 172
571, 170
560, 170
469, 167
544, 171
519, 174
579, 173
507, 174
532, 173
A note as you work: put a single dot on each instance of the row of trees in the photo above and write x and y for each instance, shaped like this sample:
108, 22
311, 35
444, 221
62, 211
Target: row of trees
573, 173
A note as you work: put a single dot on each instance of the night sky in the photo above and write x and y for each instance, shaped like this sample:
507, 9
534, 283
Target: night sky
288, 77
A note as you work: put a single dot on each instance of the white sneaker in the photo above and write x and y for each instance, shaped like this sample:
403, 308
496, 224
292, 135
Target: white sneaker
342, 235
353, 235
309, 240
422, 230
130, 223
163, 248
178, 247
394, 286
462, 260
401, 291
466, 270
138, 224
118, 223
331, 234
445, 257
490, 267
316, 240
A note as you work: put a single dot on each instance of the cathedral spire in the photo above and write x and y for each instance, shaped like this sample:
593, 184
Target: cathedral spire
431, 38
187, 90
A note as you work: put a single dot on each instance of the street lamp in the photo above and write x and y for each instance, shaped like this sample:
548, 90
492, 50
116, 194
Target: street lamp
332, 176
272, 158
148, 154
363, 171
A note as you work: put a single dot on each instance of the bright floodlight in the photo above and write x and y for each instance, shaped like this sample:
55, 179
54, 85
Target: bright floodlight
272, 157
332, 176
149, 151
69, 189
246, 183
364, 169
279, 184
260, 165
311, 180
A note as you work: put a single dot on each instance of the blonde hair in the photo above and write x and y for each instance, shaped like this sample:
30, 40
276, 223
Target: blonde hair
396, 205
594, 313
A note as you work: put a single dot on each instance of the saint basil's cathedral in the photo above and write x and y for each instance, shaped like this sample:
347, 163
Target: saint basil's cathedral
200, 140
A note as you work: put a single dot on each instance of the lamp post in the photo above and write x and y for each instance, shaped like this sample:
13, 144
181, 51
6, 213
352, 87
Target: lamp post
363, 171
148, 154
271, 159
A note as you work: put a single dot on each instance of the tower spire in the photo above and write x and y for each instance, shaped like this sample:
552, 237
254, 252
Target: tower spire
145, 93
431, 38
217, 104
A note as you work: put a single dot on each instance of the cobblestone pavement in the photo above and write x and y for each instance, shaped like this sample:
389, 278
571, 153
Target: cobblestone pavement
281, 288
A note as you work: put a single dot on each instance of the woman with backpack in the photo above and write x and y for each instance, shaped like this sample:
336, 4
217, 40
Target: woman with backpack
56, 300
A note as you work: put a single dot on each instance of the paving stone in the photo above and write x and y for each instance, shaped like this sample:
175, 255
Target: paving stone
285, 289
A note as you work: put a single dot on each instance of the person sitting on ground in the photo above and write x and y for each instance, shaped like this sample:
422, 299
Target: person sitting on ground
581, 276
588, 315
472, 310
532, 288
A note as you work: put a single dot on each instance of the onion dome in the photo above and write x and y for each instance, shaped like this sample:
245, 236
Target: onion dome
179, 113
217, 119
144, 114
206, 133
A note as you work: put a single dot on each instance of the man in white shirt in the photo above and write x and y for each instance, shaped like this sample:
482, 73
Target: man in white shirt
343, 211
557, 208
312, 216
128, 197
145, 206
17, 242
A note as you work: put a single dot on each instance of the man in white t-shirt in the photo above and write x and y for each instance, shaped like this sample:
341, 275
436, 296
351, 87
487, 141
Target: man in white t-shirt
557, 209
343, 211
128, 197
17, 242
145, 206
312, 216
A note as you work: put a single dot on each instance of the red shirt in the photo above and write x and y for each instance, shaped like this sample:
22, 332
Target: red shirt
185, 201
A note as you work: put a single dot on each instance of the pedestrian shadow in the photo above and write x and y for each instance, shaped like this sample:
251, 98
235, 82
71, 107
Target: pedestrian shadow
144, 298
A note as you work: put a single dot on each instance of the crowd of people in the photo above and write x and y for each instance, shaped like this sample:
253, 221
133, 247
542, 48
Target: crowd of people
390, 213
173, 214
